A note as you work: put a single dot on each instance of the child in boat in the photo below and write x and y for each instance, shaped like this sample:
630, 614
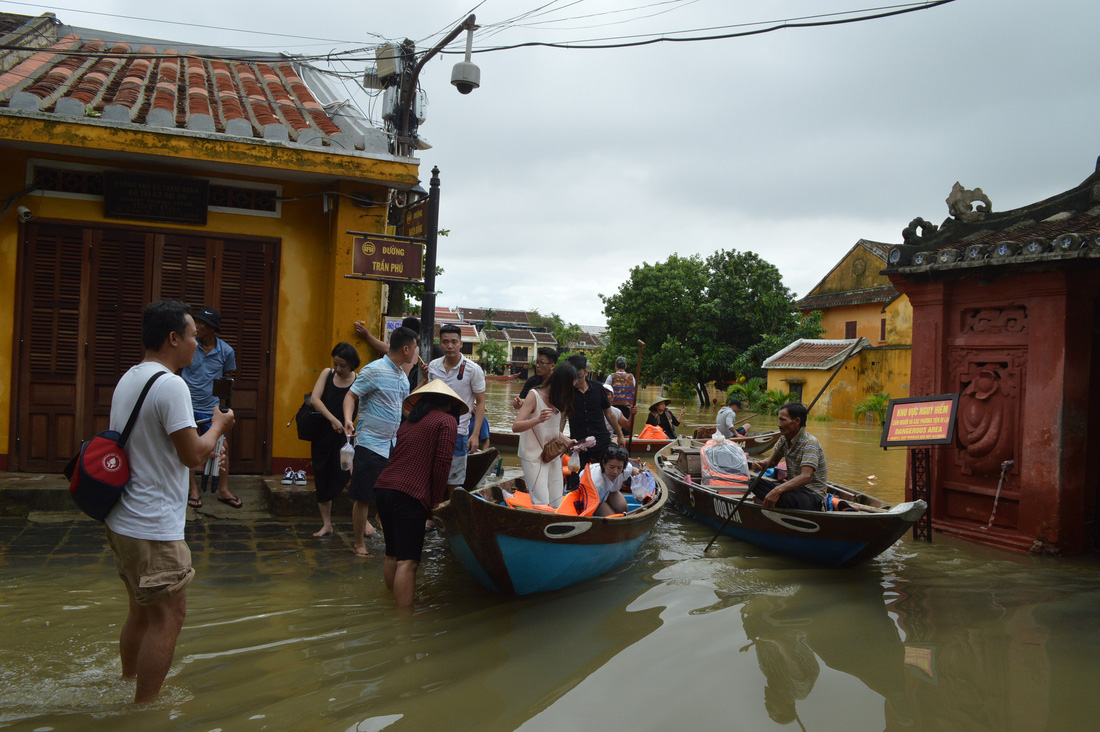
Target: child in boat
607, 479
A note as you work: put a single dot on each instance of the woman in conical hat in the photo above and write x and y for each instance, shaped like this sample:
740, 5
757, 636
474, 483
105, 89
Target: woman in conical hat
414, 481
661, 417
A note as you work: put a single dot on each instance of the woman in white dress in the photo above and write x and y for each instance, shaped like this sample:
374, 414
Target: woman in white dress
540, 420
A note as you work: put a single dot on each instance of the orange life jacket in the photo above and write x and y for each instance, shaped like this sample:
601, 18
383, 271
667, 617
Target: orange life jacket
652, 432
523, 500
623, 384
582, 502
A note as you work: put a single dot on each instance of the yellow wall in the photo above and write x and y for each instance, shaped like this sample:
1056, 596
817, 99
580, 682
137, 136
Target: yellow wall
317, 305
873, 370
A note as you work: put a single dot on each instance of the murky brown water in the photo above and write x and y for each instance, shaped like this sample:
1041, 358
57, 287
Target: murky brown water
286, 632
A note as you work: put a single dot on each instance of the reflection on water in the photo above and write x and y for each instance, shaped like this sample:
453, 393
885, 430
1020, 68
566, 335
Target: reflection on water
288, 632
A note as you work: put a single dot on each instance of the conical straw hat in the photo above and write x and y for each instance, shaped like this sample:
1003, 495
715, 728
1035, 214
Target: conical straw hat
436, 387
654, 404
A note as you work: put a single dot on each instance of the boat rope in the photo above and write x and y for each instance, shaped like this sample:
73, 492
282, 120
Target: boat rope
1004, 469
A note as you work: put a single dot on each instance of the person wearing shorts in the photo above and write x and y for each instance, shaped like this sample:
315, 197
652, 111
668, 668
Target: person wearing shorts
145, 528
380, 388
415, 481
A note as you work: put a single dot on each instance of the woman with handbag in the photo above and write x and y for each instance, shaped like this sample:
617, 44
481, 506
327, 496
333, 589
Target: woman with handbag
328, 399
539, 425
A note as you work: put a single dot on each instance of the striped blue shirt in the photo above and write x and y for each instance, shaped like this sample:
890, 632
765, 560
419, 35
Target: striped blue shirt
381, 387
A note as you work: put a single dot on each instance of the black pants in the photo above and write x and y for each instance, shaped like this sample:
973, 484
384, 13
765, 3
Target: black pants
800, 498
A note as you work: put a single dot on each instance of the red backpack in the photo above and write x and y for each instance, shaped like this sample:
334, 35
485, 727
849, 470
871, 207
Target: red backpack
100, 471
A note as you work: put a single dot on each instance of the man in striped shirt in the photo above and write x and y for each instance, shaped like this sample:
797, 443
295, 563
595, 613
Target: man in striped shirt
380, 388
807, 474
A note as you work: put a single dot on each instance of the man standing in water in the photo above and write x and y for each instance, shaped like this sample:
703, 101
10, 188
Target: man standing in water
807, 474
468, 381
145, 528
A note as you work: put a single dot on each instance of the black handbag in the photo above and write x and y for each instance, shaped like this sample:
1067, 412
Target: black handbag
311, 423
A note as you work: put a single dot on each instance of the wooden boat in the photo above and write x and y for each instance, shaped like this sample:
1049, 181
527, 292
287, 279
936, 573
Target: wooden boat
833, 538
753, 444
501, 377
519, 551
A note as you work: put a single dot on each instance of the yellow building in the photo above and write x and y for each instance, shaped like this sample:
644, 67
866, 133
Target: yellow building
133, 170
856, 301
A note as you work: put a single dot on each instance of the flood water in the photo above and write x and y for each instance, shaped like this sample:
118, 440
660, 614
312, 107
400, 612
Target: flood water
287, 632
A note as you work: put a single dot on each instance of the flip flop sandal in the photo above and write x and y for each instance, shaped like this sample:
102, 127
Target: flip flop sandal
234, 502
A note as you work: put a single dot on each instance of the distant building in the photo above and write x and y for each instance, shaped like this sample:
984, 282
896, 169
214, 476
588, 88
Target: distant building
1006, 314
856, 301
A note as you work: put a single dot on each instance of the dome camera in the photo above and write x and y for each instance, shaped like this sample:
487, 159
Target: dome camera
466, 77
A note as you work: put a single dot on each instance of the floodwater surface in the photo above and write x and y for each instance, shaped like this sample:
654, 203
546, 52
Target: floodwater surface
288, 632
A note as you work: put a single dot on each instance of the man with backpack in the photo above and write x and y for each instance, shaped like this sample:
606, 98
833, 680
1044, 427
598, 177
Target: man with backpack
145, 528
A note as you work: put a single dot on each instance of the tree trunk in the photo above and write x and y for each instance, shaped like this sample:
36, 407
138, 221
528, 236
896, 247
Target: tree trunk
395, 304
703, 394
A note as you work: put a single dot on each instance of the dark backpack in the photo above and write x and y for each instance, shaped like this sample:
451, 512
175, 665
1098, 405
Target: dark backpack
100, 471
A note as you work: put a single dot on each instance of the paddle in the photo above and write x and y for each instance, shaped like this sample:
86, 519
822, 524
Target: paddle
847, 355
634, 401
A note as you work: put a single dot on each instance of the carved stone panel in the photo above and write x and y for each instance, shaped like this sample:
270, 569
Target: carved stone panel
994, 321
989, 409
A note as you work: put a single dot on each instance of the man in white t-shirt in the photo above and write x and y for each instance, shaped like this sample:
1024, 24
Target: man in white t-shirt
145, 527
468, 381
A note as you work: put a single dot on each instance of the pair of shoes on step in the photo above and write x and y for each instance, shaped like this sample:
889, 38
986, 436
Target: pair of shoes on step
293, 477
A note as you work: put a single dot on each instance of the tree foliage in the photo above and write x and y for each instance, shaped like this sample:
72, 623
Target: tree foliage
703, 319
493, 354
564, 333
874, 405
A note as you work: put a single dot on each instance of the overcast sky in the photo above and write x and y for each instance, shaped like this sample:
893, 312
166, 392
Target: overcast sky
569, 167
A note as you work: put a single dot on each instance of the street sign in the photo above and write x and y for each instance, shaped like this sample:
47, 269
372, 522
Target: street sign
387, 258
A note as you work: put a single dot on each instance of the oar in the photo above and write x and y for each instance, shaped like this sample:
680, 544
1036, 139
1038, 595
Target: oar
634, 401
847, 355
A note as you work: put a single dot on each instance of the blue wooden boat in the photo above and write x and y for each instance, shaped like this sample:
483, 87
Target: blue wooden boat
520, 551
831, 538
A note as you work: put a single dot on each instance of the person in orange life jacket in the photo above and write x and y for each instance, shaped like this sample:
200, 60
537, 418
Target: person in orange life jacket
661, 417
622, 382
607, 479
727, 417
624, 419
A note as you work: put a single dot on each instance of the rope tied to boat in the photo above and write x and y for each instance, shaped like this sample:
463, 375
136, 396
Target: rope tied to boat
1004, 469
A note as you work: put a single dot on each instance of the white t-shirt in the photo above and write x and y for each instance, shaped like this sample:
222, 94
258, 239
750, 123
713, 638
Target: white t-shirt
603, 485
154, 504
472, 382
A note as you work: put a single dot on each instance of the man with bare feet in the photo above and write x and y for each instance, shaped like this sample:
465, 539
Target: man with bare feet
145, 528
380, 388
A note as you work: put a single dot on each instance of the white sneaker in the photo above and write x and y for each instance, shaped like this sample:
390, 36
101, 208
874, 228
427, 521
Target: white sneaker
300, 478
288, 477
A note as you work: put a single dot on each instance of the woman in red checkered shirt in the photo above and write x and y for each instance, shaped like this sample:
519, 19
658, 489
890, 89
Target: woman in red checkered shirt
415, 480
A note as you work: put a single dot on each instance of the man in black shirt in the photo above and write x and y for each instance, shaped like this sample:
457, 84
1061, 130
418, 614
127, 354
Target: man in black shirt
545, 360
590, 407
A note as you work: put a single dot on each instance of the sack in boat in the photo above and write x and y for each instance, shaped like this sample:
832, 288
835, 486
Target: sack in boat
554, 449
98, 474
643, 486
311, 424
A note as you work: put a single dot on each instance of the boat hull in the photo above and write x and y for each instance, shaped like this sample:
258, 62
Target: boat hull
518, 551
833, 539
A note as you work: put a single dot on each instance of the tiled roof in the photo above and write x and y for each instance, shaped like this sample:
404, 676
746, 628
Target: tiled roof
587, 340
467, 332
446, 314
883, 294
520, 336
546, 338
518, 317
1062, 231
809, 353
86, 75
495, 335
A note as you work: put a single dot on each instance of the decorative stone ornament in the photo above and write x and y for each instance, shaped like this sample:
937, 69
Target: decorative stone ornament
960, 203
910, 236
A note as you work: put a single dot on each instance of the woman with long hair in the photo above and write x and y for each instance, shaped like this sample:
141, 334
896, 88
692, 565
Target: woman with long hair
540, 420
328, 399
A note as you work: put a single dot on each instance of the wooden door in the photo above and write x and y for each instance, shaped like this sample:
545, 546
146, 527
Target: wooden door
80, 325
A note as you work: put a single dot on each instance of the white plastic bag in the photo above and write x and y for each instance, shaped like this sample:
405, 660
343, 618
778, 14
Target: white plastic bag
643, 485
347, 455
720, 459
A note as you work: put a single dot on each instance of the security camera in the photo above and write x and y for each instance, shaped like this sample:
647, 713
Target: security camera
25, 214
466, 77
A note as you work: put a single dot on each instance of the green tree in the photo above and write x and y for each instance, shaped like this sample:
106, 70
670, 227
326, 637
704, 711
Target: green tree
703, 319
492, 354
564, 333
874, 405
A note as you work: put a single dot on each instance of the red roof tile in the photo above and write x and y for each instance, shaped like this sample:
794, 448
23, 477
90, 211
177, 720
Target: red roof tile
807, 353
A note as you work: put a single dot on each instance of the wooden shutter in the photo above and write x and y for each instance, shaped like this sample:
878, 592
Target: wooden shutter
850, 330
